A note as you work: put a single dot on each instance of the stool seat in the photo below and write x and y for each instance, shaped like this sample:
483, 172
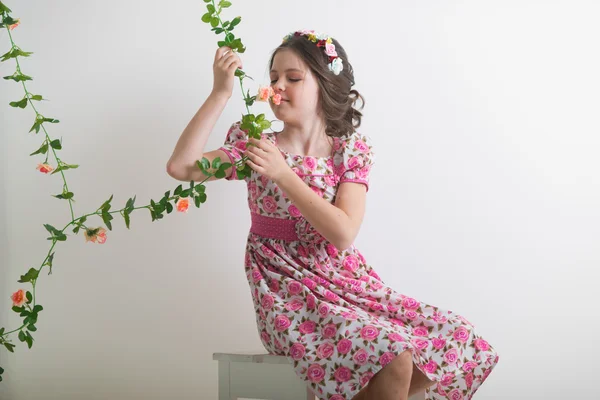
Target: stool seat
262, 376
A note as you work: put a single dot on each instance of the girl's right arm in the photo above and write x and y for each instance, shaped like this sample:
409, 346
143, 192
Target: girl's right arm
190, 146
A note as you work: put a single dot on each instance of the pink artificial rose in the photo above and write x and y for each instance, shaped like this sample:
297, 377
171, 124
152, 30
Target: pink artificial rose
264, 93
451, 356
310, 163
461, 334
315, 373
369, 332
329, 331
183, 204
297, 351
44, 168
350, 263
357, 289
19, 298
294, 212
344, 346
294, 287
375, 306
95, 235
361, 357
17, 23
329, 180
330, 50
267, 302
307, 327
481, 344
282, 322
265, 338
269, 204
325, 350
342, 374
276, 99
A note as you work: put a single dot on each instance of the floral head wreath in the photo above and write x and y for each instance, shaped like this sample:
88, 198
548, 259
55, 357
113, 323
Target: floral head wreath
321, 40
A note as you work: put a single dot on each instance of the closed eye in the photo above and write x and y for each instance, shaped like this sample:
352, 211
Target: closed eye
291, 80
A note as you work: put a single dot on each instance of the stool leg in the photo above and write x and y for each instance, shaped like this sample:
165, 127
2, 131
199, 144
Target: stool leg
309, 394
224, 382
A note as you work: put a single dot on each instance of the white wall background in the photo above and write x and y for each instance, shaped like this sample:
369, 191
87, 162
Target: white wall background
484, 199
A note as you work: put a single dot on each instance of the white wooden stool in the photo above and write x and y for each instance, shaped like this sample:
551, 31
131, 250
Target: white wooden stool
262, 376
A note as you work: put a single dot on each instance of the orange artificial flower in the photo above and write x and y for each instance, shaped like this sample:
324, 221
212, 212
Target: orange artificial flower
277, 99
19, 298
44, 168
13, 26
95, 235
183, 204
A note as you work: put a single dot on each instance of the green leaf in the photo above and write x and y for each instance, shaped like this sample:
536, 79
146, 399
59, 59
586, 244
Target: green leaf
235, 22
17, 309
4, 9
10, 347
14, 53
200, 188
225, 4
106, 204
214, 22
197, 202
31, 327
29, 297
42, 150
28, 339
106, 217
37, 308
216, 163
210, 8
21, 336
30, 276
56, 144
36, 125
64, 196
37, 97
18, 77
178, 190
127, 220
207, 17
21, 103
170, 207
202, 197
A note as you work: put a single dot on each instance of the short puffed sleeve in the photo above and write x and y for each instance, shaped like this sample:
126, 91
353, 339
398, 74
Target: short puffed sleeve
357, 158
234, 146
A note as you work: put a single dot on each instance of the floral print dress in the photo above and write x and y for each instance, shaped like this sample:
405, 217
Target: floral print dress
326, 309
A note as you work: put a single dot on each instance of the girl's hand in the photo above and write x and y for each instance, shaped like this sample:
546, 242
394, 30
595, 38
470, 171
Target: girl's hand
225, 64
266, 159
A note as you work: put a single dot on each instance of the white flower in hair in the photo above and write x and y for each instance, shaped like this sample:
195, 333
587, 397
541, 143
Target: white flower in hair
336, 66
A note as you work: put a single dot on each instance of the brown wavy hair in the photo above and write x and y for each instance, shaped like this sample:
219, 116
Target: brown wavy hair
336, 98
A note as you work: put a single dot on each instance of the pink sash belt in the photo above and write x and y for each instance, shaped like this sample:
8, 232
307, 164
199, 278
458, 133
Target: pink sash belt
274, 228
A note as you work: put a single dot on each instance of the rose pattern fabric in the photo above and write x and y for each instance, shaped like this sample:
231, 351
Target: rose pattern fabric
328, 311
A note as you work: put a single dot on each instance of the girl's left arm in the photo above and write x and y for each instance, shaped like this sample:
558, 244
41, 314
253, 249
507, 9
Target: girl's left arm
340, 222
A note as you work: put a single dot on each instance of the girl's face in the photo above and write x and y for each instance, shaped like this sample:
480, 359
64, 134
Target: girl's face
298, 87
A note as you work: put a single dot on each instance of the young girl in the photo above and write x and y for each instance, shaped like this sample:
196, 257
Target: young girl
317, 301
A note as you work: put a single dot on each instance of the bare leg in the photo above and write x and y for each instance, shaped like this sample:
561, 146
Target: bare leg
393, 381
418, 382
